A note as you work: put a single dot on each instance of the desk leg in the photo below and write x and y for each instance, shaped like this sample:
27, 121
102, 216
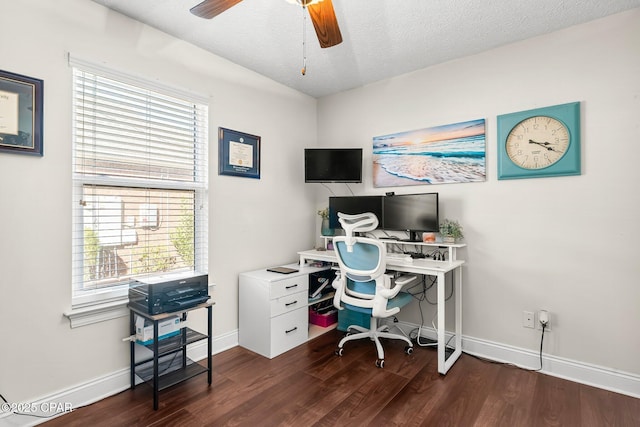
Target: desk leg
209, 343
155, 365
441, 324
445, 365
457, 275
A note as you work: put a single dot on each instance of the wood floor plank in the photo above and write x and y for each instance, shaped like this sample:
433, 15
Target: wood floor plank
407, 365
181, 417
329, 394
331, 364
310, 385
509, 402
499, 413
270, 407
556, 402
362, 406
605, 408
421, 397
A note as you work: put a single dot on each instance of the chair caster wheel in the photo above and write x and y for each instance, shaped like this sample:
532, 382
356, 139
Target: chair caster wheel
408, 350
380, 363
339, 351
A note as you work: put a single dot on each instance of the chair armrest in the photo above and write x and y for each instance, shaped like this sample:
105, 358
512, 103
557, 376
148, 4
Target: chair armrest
338, 284
404, 280
384, 289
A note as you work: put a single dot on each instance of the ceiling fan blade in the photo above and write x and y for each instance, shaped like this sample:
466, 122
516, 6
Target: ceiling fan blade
210, 8
325, 23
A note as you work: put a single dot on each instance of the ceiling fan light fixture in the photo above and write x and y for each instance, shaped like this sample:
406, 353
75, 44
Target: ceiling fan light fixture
321, 12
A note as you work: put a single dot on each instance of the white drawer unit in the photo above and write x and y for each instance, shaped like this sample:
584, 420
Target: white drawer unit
273, 310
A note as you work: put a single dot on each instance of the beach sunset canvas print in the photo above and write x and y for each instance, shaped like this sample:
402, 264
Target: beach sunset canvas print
436, 155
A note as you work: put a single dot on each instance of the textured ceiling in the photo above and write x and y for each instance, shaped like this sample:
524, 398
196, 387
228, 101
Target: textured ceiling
382, 38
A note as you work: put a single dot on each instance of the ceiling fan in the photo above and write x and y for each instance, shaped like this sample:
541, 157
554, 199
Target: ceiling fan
321, 12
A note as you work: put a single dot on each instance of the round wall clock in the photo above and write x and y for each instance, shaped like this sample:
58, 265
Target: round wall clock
539, 143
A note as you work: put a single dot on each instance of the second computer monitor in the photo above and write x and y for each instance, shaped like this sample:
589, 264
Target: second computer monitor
415, 213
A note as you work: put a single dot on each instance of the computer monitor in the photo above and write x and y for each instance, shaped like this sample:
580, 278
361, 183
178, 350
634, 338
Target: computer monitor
333, 165
415, 213
354, 205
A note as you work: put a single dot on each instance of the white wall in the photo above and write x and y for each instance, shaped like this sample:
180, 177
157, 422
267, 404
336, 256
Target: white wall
39, 353
566, 244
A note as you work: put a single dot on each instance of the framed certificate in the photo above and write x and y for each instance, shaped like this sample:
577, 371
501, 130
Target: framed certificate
20, 114
238, 154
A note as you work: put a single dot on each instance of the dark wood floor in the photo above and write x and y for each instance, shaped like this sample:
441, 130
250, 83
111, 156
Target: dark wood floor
311, 386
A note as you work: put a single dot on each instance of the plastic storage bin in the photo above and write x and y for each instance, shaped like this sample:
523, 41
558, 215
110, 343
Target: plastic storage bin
323, 320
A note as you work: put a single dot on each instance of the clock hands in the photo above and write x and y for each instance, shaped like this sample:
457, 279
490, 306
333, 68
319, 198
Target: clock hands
543, 144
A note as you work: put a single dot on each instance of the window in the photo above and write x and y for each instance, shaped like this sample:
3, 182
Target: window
139, 183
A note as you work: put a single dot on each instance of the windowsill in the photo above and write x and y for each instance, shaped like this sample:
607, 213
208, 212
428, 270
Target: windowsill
90, 307
97, 312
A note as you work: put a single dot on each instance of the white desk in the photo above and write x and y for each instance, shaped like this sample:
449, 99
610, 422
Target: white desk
424, 267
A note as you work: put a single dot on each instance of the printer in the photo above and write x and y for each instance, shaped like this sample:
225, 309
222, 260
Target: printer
167, 293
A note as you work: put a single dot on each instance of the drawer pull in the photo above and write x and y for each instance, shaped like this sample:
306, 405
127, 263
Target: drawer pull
291, 303
292, 286
290, 330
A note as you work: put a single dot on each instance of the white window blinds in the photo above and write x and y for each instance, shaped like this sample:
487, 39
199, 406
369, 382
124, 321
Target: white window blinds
140, 182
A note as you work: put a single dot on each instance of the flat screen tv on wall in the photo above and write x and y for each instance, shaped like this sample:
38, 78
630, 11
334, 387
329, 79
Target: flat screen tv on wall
333, 165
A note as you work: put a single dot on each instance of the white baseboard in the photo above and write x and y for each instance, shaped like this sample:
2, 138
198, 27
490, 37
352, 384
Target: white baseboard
572, 370
99, 388
584, 373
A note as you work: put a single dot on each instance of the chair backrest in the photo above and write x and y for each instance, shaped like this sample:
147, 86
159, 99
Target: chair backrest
362, 284
352, 224
361, 259
366, 259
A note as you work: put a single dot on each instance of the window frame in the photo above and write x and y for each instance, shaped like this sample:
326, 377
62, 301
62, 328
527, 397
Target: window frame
88, 306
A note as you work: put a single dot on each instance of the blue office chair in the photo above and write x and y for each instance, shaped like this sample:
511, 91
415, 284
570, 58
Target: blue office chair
362, 285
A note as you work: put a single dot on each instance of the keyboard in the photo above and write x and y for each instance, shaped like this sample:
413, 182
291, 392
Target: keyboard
399, 257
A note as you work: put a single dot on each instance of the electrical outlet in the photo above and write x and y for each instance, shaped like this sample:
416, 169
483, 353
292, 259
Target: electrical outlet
544, 315
528, 319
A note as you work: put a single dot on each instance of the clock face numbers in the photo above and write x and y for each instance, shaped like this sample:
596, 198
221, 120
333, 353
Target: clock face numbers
537, 142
